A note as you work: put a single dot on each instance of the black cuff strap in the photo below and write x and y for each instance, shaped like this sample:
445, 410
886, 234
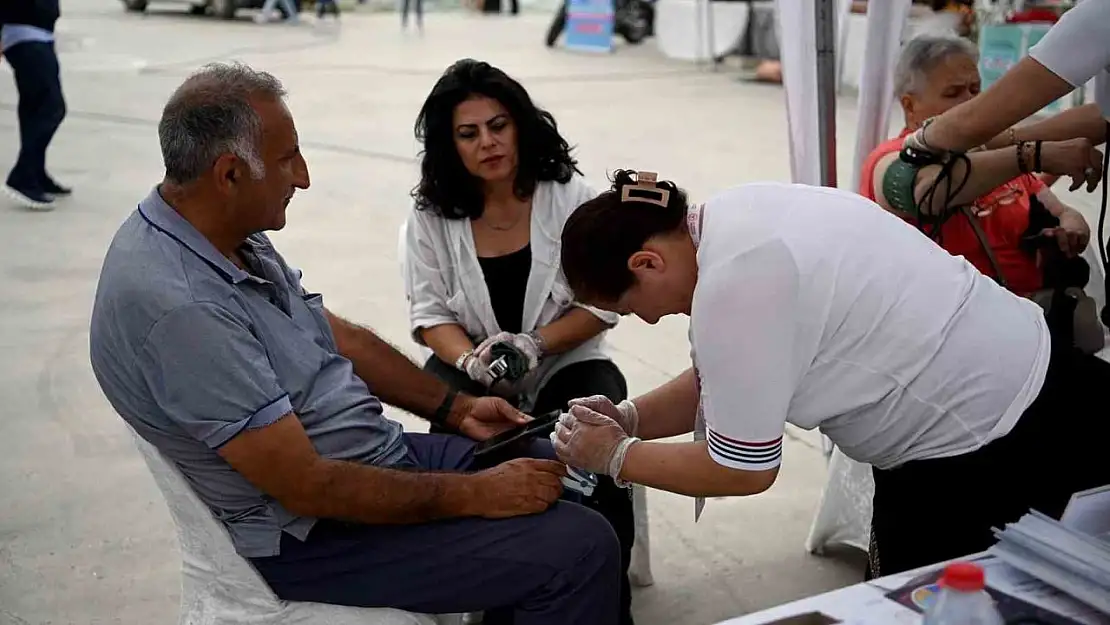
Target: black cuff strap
444, 410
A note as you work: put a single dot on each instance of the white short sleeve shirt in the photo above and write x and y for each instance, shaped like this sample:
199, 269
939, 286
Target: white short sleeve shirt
816, 307
1077, 48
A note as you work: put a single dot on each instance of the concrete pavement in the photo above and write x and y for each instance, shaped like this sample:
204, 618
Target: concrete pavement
84, 534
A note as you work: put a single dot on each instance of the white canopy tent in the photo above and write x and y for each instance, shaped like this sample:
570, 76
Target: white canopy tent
808, 36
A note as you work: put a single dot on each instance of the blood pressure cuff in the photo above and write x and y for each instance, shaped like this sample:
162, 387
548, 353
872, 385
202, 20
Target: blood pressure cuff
898, 186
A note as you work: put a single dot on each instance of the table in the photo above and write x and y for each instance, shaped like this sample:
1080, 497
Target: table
866, 603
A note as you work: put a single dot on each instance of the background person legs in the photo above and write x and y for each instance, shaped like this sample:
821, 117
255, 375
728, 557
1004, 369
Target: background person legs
418, 6
41, 110
553, 568
267, 12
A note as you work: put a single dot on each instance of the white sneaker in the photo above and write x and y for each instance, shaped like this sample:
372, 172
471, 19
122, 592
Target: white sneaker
35, 202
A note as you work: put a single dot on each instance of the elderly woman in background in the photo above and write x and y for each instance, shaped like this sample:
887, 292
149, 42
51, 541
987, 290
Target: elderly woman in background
482, 258
1013, 210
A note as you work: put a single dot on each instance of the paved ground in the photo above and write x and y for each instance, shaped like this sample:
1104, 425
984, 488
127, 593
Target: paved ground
84, 534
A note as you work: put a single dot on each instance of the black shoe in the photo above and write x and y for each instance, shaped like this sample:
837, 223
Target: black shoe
51, 187
33, 199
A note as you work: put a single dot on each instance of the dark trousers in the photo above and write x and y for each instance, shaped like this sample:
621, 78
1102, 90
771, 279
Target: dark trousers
41, 110
581, 379
494, 6
418, 6
928, 511
555, 568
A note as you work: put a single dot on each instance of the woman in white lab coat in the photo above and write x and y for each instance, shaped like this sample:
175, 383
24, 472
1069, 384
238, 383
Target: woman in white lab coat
482, 256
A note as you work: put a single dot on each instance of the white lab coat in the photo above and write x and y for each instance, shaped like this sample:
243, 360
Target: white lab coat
444, 282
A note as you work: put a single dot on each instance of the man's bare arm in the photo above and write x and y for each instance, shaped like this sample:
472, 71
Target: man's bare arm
280, 460
389, 373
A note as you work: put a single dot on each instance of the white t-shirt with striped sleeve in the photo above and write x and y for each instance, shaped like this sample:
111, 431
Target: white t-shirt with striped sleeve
816, 307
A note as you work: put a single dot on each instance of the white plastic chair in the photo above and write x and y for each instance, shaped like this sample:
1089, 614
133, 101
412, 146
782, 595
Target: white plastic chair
639, 570
218, 587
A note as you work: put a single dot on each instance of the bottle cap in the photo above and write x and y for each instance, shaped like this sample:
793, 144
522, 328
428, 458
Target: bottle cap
963, 577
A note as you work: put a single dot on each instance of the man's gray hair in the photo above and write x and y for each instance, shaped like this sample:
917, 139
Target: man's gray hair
211, 114
924, 53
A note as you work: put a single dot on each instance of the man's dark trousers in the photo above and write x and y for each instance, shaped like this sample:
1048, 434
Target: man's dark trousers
562, 567
41, 110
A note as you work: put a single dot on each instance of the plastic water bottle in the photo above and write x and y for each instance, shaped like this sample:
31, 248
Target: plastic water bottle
963, 599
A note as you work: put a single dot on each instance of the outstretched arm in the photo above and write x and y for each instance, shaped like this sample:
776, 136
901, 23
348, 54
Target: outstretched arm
1074, 50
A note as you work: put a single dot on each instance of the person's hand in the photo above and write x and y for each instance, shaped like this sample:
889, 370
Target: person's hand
517, 487
483, 358
588, 440
524, 343
1072, 235
483, 353
480, 418
476, 370
1076, 158
624, 413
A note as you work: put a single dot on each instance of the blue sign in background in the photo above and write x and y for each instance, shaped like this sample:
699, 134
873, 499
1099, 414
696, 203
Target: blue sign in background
1001, 46
590, 25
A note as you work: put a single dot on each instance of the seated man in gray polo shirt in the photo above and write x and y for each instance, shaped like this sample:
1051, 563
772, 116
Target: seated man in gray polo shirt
206, 343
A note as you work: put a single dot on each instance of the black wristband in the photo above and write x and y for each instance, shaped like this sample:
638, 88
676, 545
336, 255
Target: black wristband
444, 410
1037, 156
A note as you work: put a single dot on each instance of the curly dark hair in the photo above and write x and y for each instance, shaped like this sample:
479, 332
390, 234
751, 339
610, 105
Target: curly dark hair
446, 188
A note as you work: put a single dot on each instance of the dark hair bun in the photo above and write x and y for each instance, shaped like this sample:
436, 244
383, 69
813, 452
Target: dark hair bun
624, 177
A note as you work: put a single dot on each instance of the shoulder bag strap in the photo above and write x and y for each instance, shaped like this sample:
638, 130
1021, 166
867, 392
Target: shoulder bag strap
982, 236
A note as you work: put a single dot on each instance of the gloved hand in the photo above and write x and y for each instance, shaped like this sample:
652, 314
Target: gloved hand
624, 413
524, 343
588, 440
475, 370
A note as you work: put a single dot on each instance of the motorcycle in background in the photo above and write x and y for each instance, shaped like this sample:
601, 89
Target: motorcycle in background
634, 20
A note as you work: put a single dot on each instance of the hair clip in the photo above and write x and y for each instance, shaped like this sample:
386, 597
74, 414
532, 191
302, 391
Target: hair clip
645, 190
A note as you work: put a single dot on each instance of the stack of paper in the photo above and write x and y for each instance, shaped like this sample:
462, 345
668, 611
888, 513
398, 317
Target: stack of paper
1072, 555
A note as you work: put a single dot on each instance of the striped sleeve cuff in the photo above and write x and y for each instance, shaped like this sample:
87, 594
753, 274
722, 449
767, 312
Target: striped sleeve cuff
744, 455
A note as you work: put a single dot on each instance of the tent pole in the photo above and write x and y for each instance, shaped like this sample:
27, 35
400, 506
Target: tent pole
825, 21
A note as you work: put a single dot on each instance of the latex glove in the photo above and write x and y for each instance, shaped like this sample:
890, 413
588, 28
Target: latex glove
476, 370
623, 413
483, 352
588, 440
524, 343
